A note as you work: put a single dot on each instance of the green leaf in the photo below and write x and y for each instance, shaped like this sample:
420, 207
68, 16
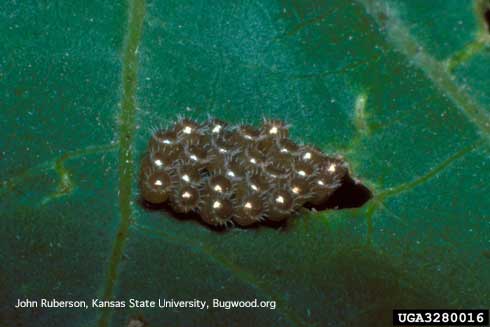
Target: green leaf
398, 87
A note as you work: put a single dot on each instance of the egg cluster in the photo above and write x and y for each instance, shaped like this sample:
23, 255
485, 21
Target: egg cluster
236, 174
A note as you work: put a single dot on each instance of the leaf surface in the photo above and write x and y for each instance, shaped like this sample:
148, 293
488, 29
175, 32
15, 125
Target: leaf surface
400, 94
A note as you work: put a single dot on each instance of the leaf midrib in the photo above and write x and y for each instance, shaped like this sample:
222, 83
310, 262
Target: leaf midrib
127, 127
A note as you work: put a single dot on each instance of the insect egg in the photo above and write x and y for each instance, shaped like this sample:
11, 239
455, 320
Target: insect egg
197, 155
333, 169
215, 165
250, 210
257, 183
303, 169
245, 135
254, 183
330, 174
219, 184
216, 211
321, 189
195, 139
300, 188
188, 173
186, 126
155, 186
284, 152
275, 172
185, 199
264, 144
253, 159
214, 126
164, 137
274, 128
165, 142
160, 160
287, 146
281, 205
311, 155
234, 170
248, 132
223, 144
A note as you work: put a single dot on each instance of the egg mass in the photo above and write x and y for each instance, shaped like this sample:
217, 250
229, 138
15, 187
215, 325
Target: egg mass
236, 175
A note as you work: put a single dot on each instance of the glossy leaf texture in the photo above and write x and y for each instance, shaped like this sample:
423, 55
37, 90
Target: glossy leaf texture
397, 87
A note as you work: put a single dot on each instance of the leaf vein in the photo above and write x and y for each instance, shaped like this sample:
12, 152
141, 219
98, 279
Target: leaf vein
127, 127
386, 17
